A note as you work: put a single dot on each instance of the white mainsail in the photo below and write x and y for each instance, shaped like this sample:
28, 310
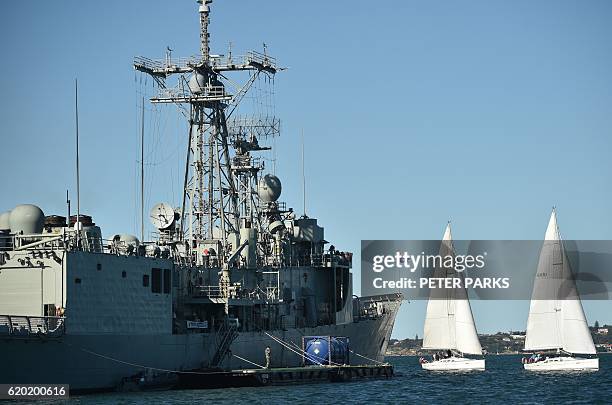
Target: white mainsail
449, 323
556, 323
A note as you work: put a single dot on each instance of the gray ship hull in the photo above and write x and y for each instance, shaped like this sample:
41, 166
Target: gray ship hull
100, 362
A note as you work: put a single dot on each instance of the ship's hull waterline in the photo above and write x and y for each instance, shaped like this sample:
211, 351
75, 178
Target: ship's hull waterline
96, 363
455, 364
564, 364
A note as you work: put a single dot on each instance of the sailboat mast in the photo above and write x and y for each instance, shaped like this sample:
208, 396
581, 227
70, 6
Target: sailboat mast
142, 172
449, 323
556, 318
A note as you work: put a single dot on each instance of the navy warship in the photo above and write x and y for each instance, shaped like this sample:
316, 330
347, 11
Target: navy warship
230, 279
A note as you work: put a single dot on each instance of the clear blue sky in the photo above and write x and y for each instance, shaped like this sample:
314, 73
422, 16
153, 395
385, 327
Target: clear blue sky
414, 112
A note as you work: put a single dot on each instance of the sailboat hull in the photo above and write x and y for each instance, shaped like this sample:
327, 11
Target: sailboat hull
455, 364
564, 364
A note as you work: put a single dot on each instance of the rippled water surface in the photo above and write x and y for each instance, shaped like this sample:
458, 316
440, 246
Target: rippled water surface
504, 381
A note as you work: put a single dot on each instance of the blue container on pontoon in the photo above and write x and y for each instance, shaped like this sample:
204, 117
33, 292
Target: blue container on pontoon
326, 350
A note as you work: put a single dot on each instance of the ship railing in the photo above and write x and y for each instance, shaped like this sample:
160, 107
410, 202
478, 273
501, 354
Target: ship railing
67, 239
39, 241
168, 64
376, 306
86, 243
244, 163
211, 291
325, 259
70, 240
181, 92
32, 326
251, 60
280, 206
261, 59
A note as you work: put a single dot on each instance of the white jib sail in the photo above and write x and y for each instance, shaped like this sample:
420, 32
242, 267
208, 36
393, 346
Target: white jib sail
556, 318
449, 323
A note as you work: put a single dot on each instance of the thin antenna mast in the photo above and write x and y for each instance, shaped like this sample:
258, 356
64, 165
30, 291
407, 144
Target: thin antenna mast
204, 21
303, 174
68, 204
142, 172
78, 179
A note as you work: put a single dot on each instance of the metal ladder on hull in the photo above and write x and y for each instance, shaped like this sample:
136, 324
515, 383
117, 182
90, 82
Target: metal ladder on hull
228, 333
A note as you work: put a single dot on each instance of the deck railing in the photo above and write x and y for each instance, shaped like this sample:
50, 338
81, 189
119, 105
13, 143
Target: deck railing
32, 326
211, 291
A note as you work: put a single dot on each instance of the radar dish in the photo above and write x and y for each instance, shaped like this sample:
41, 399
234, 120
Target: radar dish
162, 216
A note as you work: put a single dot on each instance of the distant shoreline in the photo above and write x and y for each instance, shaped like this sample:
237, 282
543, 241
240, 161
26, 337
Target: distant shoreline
488, 354
500, 343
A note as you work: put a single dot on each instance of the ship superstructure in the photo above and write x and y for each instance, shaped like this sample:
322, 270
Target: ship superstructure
229, 272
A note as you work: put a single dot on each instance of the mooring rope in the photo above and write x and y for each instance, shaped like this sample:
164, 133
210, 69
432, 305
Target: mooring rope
367, 358
157, 368
142, 365
310, 356
248, 361
280, 342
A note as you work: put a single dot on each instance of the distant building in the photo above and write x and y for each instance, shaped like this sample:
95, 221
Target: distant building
602, 331
517, 337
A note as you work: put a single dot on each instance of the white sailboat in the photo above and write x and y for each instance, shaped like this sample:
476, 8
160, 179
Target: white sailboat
449, 324
557, 324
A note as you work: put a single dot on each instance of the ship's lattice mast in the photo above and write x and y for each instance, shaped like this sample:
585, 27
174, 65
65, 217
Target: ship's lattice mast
219, 196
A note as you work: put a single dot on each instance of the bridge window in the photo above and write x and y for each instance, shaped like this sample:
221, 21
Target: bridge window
123, 274
145, 280
156, 281
167, 281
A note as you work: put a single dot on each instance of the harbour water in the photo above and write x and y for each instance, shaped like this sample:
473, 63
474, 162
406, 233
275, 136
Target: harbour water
504, 381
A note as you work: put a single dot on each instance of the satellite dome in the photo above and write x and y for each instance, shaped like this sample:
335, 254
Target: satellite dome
269, 188
27, 219
5, 223
197, 83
